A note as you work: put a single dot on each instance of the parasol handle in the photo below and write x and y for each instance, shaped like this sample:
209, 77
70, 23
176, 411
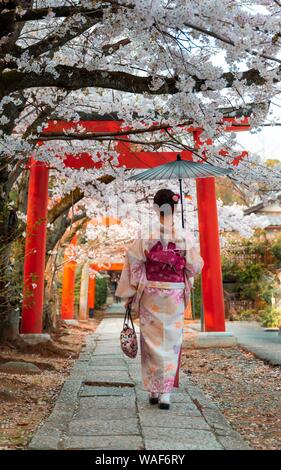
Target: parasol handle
182, 217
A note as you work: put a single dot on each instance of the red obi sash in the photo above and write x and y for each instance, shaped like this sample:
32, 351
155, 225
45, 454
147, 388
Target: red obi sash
166, 265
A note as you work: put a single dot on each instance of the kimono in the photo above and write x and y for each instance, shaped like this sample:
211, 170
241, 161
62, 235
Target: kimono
160, 306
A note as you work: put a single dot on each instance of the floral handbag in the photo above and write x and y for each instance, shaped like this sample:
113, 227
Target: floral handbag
128, 337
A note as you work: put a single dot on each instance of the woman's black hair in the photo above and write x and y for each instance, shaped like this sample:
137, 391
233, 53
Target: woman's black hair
163, 197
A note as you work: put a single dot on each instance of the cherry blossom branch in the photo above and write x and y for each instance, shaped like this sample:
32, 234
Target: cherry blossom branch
61, 36
37, 14
217, 36
74, 78
72, 198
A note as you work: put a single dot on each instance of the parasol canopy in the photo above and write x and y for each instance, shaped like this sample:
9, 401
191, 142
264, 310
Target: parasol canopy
181, 169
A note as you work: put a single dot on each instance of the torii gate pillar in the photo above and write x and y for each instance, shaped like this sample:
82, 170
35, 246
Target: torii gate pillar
83, 307
35, 249
212, 287
68, 286
91, 295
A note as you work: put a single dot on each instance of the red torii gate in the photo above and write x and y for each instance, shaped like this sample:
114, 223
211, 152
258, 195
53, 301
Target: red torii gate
92, 280
68, 277
37, 208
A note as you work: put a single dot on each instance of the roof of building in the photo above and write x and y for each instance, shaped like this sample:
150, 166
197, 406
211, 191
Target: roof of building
262, 205
274, 220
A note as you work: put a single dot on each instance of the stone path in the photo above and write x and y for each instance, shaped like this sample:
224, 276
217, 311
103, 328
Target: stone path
102, 406
115, 310
264, 344
252, 336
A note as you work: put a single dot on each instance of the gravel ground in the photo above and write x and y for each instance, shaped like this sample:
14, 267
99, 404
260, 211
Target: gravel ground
27, 400
247, 391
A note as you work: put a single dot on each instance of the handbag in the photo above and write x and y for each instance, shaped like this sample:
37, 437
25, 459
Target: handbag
128, 337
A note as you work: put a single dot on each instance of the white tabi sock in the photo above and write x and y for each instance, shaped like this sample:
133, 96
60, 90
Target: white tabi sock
164, 398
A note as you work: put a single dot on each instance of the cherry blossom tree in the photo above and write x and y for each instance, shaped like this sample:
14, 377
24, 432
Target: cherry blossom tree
157, 65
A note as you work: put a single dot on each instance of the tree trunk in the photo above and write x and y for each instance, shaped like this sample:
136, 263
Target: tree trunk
9, 310
50, 304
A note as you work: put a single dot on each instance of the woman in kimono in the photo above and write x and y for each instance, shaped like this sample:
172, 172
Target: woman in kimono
156, 280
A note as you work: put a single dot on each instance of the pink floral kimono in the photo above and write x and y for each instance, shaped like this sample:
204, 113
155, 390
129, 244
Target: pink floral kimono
159, 304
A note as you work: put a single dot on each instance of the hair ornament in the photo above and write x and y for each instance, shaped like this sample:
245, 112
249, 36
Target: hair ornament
176, 197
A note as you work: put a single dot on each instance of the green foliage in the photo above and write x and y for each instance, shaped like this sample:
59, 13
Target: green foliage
256, 283
276, 249
256, 247
252, 280
230, 270
247, 315
197, 296
271, 317
262, 250
101, 291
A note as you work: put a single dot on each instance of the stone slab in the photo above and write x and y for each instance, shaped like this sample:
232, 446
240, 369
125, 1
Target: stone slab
43, 440
179, 439
97, 361
70, 391
200, 399
84, 356
176, 410
210, 340
117, 375
103, 443
103, 356
34, 339
95, 369
101, 427
95, 380
72, 322
61, 408
233, 442
107, 414
217, 421
80, 365
90, 391
181, 397
21, 368
108, 353
109, 341
109, 402
58, 420
172, 421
